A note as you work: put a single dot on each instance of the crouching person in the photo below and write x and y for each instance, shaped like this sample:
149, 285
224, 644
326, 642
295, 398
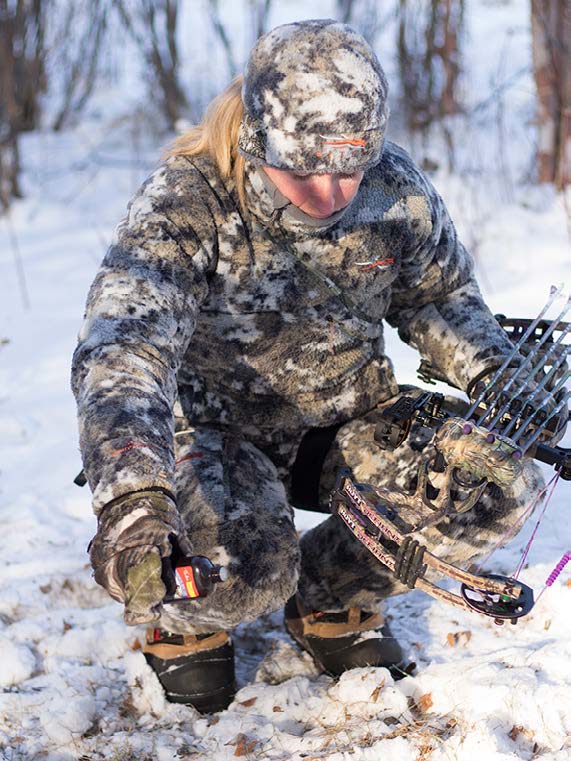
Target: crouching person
239, 310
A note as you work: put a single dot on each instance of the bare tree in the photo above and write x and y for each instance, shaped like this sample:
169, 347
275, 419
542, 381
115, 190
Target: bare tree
260, 12
259, 19
9, 165
22, 80
429, 58
9, 159
42, 50
77, 46
222, 34
153, 26
345, 10
551, 47
363, 15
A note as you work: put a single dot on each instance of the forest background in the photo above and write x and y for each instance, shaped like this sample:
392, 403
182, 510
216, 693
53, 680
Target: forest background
90, 94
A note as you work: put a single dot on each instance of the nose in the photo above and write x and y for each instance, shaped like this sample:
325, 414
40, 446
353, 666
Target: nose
323, 190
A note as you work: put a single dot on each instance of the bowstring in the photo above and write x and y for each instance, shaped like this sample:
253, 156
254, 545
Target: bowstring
512, 530
553, 484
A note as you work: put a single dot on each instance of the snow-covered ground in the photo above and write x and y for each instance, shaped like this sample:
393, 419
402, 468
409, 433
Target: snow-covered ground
74, 682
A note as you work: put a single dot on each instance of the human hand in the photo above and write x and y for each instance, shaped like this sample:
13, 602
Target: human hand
135, 535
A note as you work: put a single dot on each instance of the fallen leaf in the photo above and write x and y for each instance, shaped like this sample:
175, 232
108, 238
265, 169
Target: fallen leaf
459, 638
518, 730
249, 702
425, 702
277, 709
67, 626
244, 744
376, 692
127, 708
568, 583
547, 624
464, 637
425, 751
418, 645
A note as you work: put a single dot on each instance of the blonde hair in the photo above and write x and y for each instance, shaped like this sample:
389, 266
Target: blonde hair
217, 136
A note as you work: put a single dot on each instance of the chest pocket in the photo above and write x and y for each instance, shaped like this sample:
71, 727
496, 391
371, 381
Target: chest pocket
359, 266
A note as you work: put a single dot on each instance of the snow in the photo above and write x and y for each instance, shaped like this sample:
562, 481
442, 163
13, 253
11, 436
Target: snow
75, 684
17, 663
68, 718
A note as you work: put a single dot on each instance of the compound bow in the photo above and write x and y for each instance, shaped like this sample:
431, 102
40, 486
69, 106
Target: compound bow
517, 412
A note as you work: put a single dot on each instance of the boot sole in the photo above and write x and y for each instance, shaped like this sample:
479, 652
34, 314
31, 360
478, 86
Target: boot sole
207, 702
347, 652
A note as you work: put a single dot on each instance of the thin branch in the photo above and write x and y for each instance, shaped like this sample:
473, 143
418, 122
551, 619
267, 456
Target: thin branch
18, 262
220, 30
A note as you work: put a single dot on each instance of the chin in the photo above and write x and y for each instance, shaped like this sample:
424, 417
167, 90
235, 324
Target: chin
317, 215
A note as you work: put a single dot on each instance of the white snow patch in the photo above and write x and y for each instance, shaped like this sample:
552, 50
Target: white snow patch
148, 695
67, 718
17, 662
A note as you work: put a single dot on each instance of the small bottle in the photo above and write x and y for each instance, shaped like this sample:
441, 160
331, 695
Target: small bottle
195, 576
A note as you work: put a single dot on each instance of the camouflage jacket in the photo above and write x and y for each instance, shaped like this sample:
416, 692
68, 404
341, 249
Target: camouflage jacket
256, 329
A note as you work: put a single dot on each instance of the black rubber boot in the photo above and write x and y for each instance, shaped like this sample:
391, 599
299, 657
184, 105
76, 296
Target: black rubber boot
335, 640
197, 670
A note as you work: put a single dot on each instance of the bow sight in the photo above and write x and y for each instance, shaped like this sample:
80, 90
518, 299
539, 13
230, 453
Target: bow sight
520, 410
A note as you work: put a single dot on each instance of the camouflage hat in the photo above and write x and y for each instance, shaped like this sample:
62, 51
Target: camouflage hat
315, 99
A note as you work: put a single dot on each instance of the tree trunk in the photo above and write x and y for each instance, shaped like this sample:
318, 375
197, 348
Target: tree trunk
429, 58
22, 79
153, 26
9, 171
551, 49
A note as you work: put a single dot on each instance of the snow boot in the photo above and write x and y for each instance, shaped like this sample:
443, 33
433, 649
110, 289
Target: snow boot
342, 641
196, 669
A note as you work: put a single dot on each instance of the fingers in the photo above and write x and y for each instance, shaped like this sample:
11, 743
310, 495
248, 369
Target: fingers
133, 618
144, 590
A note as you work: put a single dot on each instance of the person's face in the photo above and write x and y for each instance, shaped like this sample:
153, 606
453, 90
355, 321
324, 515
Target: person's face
319, 195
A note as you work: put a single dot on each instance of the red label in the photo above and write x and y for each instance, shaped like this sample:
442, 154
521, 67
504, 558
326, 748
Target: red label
187, 582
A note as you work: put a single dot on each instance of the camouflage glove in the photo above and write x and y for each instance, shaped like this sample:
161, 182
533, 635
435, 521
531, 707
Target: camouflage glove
134, 536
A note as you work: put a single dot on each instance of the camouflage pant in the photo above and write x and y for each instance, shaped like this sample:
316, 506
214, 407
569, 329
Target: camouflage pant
234, 498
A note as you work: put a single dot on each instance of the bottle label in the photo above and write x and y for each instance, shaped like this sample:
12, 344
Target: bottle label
185, 582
